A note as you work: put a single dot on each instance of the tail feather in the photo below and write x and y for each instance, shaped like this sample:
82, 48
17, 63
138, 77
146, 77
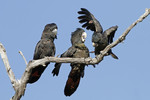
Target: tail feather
114, 56
36, 73
71, 86
72, 82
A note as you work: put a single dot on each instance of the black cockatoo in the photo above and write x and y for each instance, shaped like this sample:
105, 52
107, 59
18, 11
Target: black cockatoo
77, 50
100, 39
44, 48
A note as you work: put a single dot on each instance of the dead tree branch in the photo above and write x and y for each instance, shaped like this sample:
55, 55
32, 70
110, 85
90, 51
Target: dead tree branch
7, 66
20, 85
23, 57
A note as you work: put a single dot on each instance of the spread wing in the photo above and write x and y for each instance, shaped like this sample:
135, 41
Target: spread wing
68, 53
90, 22
110, 33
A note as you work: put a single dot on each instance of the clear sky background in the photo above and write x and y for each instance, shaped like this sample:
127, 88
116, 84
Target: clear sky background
21, 26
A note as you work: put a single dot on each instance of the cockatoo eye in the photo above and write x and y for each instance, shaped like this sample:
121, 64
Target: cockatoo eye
84, 35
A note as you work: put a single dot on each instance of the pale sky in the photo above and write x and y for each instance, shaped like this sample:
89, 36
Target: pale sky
21, 26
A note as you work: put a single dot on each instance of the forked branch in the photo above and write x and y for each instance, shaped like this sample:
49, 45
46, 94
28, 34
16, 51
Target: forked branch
20, 85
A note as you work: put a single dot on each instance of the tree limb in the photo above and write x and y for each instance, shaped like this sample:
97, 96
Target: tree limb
23, 57
99, 58
7, 66
20, 85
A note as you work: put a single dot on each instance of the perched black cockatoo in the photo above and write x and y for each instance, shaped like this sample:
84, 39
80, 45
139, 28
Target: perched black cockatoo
77, 50
44, 48
100, 39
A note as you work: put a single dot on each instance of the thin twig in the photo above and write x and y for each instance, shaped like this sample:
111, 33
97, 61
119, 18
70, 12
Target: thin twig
23, 57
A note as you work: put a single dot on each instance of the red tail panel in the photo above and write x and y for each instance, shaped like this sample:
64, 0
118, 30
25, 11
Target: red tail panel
72, 83
36, 74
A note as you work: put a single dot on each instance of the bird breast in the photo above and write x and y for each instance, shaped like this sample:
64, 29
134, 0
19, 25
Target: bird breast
80, 54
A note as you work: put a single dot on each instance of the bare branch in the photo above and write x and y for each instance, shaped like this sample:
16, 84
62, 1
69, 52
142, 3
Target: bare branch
7, 66
122, 37
99, 58
20, 85
23, 57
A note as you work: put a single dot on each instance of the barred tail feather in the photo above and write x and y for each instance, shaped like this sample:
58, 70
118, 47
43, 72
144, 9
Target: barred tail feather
36, 73
71, 86
72, 83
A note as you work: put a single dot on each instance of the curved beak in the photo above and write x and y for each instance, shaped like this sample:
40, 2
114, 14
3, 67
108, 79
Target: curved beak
55, 36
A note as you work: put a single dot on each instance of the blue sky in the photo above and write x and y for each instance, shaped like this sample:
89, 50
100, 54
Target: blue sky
21, 26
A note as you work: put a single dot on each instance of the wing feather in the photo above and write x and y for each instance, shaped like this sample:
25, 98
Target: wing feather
90, 21
110, 33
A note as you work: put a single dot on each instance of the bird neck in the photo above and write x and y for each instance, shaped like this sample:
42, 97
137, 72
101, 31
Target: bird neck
46, 35
80, 45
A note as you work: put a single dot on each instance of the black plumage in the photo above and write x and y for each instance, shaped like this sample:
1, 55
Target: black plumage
77, 50
44, 48
100, 39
